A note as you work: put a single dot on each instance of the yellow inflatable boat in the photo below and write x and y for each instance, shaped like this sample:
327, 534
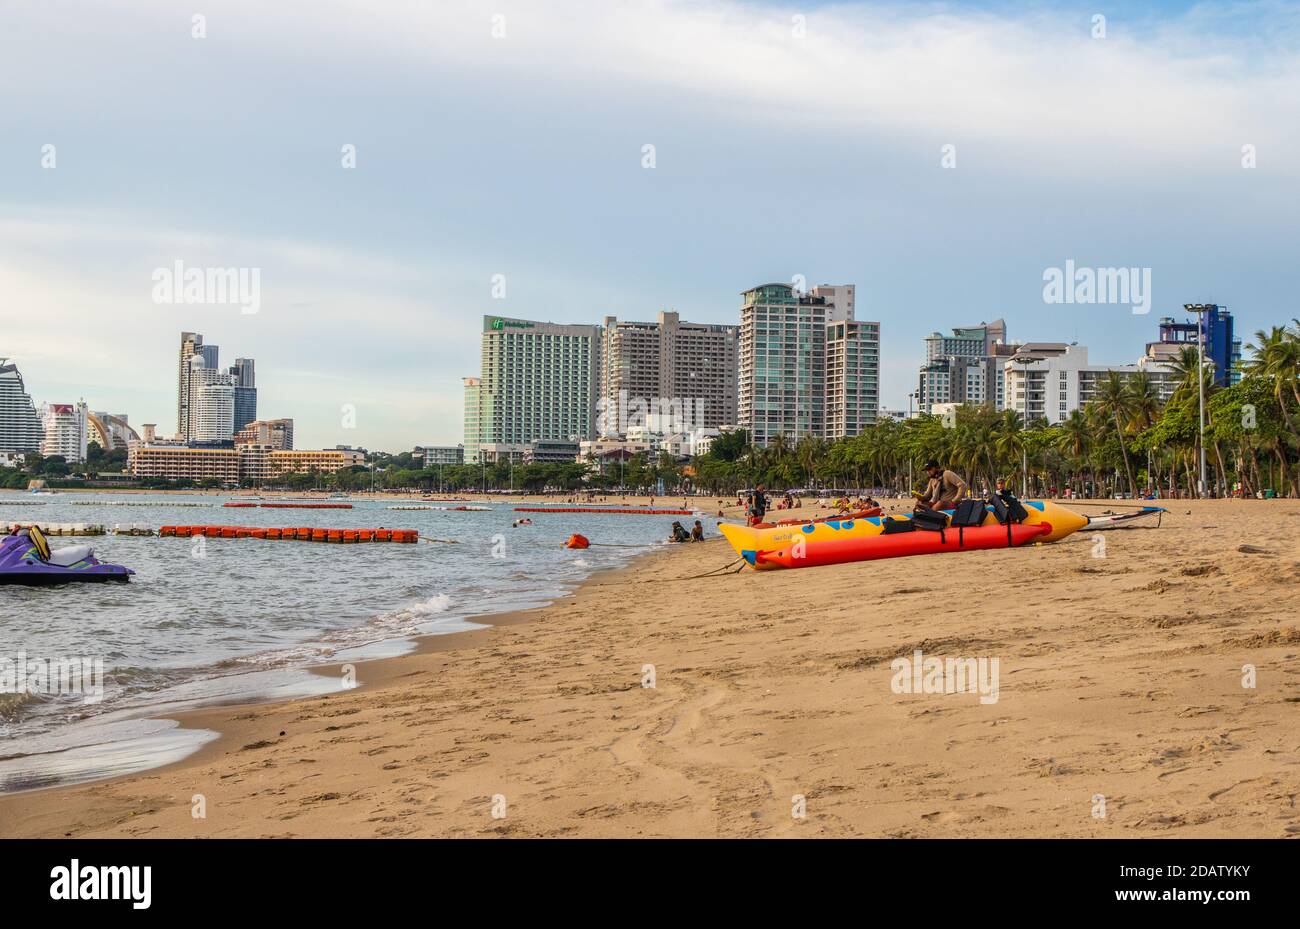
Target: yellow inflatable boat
748, 541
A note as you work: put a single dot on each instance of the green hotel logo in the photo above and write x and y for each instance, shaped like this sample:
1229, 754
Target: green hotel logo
498, 323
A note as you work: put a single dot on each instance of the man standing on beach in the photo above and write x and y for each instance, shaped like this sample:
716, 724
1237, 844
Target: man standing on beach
943, 491
757, 505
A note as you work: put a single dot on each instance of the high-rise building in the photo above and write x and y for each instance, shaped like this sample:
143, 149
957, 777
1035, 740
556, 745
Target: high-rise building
965, 367
807, 366
65, 431
852, 376
473, 417
191, 346
211, 405
21, 429
245, 383
1222, 347
782, 363
669, 375
538, 382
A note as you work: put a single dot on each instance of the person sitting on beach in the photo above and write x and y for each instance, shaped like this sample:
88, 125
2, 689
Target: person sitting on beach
679, 533
943, 491
697, 532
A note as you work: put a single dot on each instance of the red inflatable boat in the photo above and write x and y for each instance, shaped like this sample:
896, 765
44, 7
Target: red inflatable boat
898, 545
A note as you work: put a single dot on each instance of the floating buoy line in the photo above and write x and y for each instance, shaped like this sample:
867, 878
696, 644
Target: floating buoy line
290, 506
601, 509
295, 533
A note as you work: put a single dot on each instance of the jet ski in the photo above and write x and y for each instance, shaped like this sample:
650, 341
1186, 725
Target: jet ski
26, 558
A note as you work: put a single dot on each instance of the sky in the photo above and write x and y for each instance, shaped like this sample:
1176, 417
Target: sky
942, 157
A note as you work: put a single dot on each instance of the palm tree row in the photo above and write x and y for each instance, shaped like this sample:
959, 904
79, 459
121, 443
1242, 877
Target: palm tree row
1124, 440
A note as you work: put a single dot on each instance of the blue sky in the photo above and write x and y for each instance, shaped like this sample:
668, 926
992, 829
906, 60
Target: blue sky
782, 147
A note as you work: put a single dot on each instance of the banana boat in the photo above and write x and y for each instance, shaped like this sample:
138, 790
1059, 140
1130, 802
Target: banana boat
749, 541
899, 545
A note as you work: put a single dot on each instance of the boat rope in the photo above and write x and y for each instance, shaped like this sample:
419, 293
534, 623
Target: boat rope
717, 572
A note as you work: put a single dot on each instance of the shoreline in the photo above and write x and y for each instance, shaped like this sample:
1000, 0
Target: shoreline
1121, 678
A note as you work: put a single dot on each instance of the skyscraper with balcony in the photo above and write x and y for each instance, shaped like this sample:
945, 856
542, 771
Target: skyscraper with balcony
538, 382
21, 429
683, 373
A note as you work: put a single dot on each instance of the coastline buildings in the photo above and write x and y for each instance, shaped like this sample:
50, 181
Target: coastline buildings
21, 429
784, 386
538, 381
65, 431
211, 404
668, 375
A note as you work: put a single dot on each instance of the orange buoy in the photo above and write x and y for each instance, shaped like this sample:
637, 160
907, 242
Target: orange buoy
577, 541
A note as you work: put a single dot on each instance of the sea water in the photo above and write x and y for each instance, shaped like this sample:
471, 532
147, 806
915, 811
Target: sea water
234, 620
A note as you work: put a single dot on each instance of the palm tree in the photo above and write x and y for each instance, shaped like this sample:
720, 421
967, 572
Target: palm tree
1113, 399
1145, 399
1185, 366
1277, 360
1010, 443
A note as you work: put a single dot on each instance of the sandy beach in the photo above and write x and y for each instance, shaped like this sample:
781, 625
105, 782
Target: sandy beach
1120, 710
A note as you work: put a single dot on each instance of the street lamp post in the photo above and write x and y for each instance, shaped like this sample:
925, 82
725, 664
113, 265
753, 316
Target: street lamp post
1026, 361
910, 483
1200, 309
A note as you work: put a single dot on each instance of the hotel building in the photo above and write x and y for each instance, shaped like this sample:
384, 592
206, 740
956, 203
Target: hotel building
231, 465
538, 382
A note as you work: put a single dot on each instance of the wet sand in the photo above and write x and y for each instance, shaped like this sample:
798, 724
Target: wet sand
1120, 710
